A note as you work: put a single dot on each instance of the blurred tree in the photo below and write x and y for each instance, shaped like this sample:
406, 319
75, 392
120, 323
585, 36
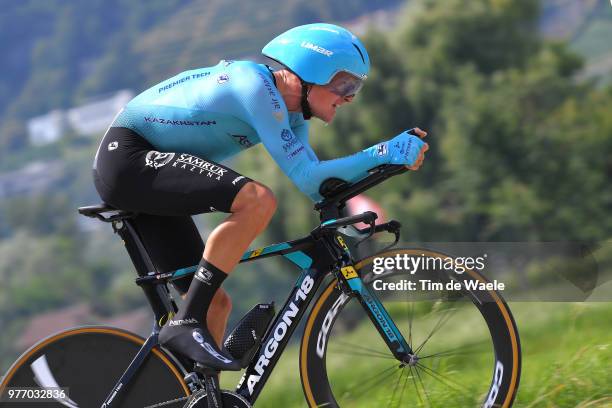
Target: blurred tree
39, 273
481, 80
46, 214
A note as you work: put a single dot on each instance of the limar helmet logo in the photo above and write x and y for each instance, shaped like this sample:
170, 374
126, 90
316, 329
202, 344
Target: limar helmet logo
317, 52
316, 48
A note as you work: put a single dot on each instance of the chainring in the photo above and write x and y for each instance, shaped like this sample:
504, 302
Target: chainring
230, 400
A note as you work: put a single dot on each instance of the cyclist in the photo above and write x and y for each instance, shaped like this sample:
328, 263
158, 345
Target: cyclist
160, 158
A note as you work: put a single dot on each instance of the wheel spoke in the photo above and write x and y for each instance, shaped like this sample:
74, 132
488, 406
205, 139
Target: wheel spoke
423, 386
410, 319
362, 354
416, 387
403, 390
469, 349
441, 378
374, 384
382, 379
399, 379
356, 346
441, 322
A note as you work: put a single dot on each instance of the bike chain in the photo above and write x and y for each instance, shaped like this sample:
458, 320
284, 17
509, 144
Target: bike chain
161, 404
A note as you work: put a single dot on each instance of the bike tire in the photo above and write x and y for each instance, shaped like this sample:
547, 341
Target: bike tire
500, 367
89, 361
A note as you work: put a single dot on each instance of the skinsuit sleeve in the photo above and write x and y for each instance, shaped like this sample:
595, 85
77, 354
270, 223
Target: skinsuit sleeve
288, 144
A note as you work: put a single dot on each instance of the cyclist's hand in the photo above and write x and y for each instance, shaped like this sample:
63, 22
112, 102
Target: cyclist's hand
408, 149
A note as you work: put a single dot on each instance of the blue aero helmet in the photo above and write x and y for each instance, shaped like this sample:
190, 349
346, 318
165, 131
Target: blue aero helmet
316, 53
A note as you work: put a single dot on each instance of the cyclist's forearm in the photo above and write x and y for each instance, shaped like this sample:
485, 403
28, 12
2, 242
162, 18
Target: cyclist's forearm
309, 176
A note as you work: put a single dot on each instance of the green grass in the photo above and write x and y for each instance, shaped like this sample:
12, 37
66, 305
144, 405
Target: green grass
567, 350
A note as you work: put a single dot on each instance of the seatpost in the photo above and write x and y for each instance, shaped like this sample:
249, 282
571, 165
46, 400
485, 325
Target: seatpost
156, 293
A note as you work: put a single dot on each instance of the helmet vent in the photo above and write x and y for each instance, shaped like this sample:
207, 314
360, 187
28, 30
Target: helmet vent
359, 51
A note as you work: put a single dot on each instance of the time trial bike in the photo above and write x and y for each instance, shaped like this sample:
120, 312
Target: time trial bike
360, 347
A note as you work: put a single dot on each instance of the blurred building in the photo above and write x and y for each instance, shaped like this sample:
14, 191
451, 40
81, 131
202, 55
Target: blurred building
95, 116
89, 119
33, 178
138, 321
47, 128
562, 19
49, 323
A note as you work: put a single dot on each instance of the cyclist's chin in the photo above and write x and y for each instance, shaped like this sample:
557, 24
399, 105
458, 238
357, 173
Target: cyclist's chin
326, 115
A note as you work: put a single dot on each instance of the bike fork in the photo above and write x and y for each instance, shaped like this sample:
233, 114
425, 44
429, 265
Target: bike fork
384, 324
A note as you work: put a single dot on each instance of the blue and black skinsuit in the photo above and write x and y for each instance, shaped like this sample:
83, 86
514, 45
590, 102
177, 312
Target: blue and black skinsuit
162, 154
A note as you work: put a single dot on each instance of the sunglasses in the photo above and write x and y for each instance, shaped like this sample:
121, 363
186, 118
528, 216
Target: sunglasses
345, 85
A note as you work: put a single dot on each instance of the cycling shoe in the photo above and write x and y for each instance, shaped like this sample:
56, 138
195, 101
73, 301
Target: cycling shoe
196, 343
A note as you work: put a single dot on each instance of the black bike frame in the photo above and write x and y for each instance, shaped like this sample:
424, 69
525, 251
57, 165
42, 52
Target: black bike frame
316, 261
318, 257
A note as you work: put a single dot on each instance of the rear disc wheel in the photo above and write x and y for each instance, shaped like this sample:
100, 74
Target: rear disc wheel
88, 362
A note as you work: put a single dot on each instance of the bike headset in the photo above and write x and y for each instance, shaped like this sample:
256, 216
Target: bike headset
316, 53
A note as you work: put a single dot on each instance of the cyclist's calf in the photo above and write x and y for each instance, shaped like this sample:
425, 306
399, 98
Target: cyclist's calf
218, 312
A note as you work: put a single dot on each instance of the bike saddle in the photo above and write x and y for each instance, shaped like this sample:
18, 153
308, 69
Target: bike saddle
197, 344
105, 212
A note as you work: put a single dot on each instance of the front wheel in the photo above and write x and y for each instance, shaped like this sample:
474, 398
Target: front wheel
88, 362
467, 347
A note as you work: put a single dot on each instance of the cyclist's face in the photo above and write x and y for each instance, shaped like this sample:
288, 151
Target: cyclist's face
324, 100
324, 103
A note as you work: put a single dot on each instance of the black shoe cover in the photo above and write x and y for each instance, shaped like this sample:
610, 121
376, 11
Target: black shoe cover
196, 343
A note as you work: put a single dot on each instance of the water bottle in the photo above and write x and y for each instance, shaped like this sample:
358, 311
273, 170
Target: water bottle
246, 337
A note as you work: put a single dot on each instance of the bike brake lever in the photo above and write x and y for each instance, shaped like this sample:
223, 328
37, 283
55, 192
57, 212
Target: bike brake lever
371, 231
391, 226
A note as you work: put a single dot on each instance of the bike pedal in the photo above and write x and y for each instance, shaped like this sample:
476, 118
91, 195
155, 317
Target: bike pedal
244, 340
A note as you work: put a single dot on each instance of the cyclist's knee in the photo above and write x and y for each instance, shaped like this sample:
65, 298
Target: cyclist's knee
268, 202
255, 198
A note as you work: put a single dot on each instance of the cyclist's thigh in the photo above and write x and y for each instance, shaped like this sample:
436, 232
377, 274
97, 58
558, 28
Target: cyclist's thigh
130, 174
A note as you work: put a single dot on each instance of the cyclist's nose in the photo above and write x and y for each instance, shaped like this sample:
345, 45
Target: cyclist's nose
344, 99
